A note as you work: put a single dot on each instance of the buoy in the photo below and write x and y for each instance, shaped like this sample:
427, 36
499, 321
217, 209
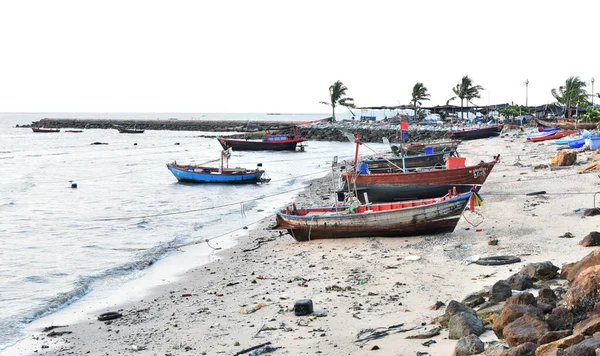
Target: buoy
135, 143
176, 143
73, 185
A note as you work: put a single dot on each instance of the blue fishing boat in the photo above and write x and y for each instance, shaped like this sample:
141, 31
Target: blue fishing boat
223, 174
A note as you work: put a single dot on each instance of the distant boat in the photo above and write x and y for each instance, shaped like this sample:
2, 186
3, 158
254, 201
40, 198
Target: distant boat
424, 216
130, 131
222, 174
476, 133
44, 130
269, 143
73, 130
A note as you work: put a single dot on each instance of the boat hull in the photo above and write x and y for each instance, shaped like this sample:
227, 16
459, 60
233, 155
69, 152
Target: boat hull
550, 136
567, 125
439, 217
189, 175
386, 187
43, 130
260, 145
131, 131
475, 134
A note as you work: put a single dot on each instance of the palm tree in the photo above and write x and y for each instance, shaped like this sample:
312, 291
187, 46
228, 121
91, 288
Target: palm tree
465, 90
419, 94
572, 93
337, 97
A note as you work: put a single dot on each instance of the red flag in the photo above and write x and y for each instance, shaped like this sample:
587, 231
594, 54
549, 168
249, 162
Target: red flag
404, 125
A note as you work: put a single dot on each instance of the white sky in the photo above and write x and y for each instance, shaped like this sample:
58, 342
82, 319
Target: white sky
282, 56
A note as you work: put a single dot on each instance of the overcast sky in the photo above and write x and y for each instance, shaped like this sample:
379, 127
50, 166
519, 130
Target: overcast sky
282, 56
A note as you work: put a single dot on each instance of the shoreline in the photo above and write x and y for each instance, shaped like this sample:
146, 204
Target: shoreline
359, 283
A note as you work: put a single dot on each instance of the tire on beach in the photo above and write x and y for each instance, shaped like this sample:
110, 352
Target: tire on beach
497, 260
109, 316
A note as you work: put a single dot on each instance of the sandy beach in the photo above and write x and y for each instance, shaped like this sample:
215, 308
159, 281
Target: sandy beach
246, 297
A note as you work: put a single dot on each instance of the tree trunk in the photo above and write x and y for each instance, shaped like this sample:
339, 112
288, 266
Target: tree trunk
462, 114
333, 110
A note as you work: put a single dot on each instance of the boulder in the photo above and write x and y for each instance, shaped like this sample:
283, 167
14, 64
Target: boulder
547, 295
520, 281
526, 349
500, 291
552, 336
523, 299
452, 309
468, 345
565, 158
583, 292
560, 319
540, 271
474, 299
593, 342
525, 329
563, 343
511, 313
463, 324
495, 309
588, 327
570, 270
580, 350
545, 308
591, 239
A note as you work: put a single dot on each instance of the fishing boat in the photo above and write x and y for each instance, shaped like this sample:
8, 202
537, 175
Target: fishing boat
130, 131
415, 183
566, 124
74, 131
222, 174
416, 217
395, 164
44, 130
269, 143
418, 148
476, 132
552, 135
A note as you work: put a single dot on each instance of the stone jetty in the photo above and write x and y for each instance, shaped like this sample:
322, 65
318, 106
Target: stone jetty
328, 131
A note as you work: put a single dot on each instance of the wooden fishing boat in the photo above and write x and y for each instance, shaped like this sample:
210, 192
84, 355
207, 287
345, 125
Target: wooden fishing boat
223, 174
567, 124
44, 130
269, 143
552, 135
424, 216
395, 164
418, 148
130, 131
476, 132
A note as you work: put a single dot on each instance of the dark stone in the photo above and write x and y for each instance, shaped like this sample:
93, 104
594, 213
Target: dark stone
591, 239
542, 271
500, 291
545, 308
452, 309
463, 324
474, 299
547, 295
525, 329
560, 319
579, 350
554, 335
523, 299
468, 345
519, 281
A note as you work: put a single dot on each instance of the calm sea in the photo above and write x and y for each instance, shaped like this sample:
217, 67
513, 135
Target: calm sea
61, 244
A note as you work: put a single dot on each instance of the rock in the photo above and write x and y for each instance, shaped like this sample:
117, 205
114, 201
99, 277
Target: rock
525, 329
511, 313
552, 336
494, 348
587, 327
463, 324
540, 271
526, 349
523, 299
591, 212
547, 295
570, 271
468, 345
580, 350
560, 319
485, 313
474, 299
565, 158
520, 281
545, 308
593, 342
591, 239
563, 343
453, 308
500, 291
583, 291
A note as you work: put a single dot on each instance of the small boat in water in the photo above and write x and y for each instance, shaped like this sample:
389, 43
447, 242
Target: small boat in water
123, 129
269, 143
223, 174
409, 218
74, 131
44, 130
476, 132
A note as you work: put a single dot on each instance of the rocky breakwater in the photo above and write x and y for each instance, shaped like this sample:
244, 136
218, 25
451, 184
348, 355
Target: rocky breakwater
338, 131
563, 319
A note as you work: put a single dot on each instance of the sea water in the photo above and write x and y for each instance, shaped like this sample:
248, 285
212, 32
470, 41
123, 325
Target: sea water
61, 244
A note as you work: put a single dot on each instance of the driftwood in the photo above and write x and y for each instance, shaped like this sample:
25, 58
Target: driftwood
251, 348
366, 335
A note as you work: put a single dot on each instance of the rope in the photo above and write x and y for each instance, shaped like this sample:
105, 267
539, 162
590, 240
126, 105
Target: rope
470, 223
